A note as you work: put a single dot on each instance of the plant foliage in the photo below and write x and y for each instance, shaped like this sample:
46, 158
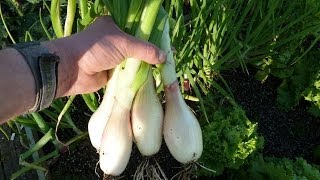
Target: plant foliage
295, 58
304, 82
279, 168
229, 140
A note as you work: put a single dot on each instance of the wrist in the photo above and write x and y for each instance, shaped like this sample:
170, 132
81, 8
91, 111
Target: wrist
66, 74
17, 83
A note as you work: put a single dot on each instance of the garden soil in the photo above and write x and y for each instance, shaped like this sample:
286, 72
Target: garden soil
287, 134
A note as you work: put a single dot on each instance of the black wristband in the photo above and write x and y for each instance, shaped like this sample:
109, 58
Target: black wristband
44, 69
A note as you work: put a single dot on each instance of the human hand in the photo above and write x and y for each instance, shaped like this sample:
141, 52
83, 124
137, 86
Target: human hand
88, 55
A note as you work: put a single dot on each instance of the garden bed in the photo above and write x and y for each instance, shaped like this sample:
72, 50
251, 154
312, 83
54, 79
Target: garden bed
287, 134
10, 151
280, 38
290, 134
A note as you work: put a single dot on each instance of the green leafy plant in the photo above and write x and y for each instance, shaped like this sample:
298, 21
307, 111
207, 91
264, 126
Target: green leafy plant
213, 36
229, 140
279, 168
23, 25
304, 82
45, 123
293, 57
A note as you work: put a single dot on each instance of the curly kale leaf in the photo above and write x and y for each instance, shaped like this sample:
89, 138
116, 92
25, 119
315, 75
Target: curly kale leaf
281, 168
228, 140
312, 94
303, 83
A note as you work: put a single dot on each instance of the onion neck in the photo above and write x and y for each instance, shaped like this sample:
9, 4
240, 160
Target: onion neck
168, 69
173, 94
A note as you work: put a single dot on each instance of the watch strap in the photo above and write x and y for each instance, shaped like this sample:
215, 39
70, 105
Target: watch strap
44, 69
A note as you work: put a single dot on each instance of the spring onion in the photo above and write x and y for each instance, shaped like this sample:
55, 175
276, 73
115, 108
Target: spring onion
101, 116
147, 118
182, 132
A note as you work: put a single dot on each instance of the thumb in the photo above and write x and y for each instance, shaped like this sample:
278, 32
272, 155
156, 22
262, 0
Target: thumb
144, 51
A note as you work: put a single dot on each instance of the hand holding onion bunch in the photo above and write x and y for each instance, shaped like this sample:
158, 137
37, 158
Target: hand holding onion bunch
131, 109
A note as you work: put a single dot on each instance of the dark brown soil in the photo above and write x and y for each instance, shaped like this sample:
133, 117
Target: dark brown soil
287, 134
81, 163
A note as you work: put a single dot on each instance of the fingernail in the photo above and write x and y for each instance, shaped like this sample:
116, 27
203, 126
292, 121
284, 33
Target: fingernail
162, 56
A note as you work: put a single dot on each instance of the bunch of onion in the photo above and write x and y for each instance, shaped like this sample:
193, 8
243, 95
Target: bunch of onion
130, 108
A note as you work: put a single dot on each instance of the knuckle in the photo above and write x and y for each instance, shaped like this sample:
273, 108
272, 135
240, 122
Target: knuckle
151, 52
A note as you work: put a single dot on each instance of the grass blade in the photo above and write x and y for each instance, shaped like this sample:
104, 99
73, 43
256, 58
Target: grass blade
5, 26
198, 94
43, 141
43, 26
55, 18
4, 133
